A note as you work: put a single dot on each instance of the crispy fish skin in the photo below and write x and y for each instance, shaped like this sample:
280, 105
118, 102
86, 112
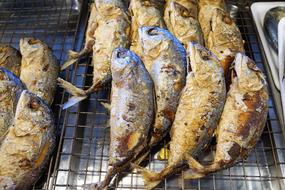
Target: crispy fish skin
200, 106
181, 18
165, 59
10, 90
224, 39
39, 69
28, 145
206, 10
10, 58
243, 118
144, 13
132, 111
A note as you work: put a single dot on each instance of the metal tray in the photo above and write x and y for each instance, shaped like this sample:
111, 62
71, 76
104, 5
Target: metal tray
82, 155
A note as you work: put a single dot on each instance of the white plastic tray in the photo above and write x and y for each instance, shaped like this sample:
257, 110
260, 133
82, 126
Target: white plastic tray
259, 10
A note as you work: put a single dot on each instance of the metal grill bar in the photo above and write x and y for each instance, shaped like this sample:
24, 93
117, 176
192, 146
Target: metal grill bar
82, 154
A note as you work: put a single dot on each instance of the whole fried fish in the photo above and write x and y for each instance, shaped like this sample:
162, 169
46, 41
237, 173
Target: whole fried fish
132, 111
10, 59
28, 145
205, 15
165, 59
243, 118
112, 30
144, 13
181, 18
224, 39
10, 90
39, 69
200, 106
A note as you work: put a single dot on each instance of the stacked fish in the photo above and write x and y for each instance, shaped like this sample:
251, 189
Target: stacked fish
168, 82
27, 131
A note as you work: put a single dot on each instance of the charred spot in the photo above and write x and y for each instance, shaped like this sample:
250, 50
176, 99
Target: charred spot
227, 20
205, 55
25, 163
169, 114
34, 104
184, 12
46, 67
123, 144
131, 106
203, 127
234, 151
185, 124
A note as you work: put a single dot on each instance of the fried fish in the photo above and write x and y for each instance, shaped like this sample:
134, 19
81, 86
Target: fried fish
10, 58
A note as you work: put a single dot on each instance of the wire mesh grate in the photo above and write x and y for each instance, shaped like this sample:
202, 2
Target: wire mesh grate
82, 154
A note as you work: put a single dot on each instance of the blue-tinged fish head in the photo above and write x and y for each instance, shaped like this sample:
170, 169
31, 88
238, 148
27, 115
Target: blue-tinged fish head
123, 61
249, 76
154, 40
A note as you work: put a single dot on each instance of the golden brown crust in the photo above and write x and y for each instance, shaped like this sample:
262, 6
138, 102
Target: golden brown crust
10, 59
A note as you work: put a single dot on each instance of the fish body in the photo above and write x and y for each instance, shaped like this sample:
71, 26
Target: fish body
165, 59
144, 13
39, 69
243, 118
132, 111
181, 18
28, 144
224, 39
271, 21
200, 106
10, 58
10, 90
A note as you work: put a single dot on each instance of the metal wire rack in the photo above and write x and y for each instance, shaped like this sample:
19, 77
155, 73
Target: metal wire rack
82, 155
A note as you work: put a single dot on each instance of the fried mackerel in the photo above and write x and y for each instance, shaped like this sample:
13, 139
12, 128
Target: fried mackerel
243, 118
205, 15
144, 13
28, 145
181, 18
132, 112
10, 90
10, 58
200, 106
39, 69
112, 30
165, 59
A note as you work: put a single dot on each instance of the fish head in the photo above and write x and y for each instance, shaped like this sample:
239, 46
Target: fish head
33, 116
182, 10
203, 62
31, 45
108, 7
123, 61
153, 40
248, 75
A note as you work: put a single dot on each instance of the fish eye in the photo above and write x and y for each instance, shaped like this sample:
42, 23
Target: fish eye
121, 54
227, 20
205, 55
33, 41
34, 104
152, 32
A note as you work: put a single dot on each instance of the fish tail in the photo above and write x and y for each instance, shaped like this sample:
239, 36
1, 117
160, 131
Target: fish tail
77, 94
151, 179
197, 170
74, 56
103, 185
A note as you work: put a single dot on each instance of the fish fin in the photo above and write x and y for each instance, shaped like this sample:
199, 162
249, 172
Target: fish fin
190, 174
72, 101
194, 164
70, 88
68, 63
151, 179
141, 158
106, 105
73, 54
